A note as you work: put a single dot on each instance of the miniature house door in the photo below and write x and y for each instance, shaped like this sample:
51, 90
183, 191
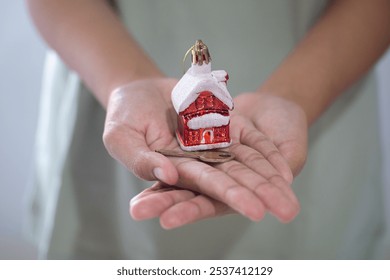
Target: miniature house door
207, 136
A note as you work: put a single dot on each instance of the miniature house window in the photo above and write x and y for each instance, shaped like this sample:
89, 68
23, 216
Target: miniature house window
200, 103
205, 101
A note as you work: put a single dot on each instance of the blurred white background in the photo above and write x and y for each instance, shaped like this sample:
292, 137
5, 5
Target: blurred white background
21, 61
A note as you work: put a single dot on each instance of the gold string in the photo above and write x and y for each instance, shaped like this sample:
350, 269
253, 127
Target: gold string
200, 54
185, 57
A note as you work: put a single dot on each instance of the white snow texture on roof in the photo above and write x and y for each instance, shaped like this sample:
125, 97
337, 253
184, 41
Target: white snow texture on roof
197, 79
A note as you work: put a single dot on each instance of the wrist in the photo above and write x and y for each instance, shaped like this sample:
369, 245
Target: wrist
160, 87
122, 77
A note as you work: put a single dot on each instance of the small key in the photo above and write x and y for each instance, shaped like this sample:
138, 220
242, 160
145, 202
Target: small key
213, 156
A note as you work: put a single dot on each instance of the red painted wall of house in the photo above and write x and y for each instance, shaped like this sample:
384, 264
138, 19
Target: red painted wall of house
205, 103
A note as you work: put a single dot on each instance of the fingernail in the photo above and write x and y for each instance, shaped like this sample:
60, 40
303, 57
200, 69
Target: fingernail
159, 174
133, 200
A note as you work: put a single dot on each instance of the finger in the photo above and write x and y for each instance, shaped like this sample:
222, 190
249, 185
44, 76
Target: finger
192, 210
275, 193
291, 137
289, 192
295, 153
255, 161
157, 187
205, 179
154, 201
130, 148
259, 142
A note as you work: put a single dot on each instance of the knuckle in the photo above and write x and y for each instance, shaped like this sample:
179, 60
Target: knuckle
277, 180
272, 153
253, 158
110, 136
234, 169
254, 136
208, 174
113, 135
232, 193
137, 166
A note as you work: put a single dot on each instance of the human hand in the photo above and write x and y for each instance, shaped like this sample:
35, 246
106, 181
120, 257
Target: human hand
282, 121
140, 119
258, 122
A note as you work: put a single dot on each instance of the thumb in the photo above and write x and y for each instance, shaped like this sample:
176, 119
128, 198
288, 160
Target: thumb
129, 147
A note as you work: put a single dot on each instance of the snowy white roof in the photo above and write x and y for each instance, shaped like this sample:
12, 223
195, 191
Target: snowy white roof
200, 78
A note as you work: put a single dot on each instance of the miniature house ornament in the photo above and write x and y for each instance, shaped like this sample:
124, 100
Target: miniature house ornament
202, 103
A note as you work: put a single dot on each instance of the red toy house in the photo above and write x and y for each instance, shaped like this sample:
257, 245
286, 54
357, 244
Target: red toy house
202, 103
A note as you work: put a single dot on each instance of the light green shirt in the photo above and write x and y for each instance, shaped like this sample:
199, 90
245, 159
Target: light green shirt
80, 198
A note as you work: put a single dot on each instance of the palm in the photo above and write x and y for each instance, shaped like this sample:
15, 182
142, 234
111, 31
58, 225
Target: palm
281, 121
245, 185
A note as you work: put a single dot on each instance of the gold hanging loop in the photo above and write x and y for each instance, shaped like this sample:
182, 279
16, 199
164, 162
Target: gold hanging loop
200, 53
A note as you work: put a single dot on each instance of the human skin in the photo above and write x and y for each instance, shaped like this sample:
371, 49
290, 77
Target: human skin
269, 126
